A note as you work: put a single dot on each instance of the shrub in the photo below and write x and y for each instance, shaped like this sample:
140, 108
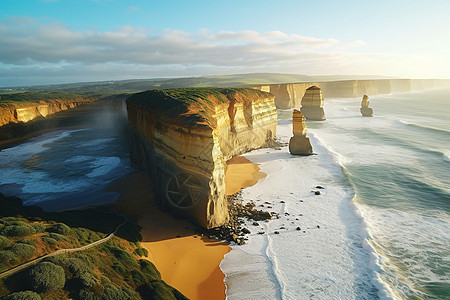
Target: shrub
47, 276
39, 227
124, 257
49, 240
57, 237
113, 292
105, 280
141, 252
78, 266
86, 294
27, 241
25, 295
61, 228
7, 256
23, 250
18, 230
60, 260
14, 221
119, 268
149, 269
138, 277
3, 267
158, 289
88, 280
4, 242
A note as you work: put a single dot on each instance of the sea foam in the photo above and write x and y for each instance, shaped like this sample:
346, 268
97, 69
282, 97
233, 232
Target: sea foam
325, 258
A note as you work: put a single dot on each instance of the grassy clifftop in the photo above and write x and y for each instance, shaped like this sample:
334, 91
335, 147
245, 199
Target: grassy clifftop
36, 97
192, 106
116, 269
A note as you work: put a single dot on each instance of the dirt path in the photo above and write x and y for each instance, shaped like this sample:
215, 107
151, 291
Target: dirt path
61, 251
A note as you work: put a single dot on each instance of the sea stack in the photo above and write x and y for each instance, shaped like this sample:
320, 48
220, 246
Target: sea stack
312, 104
299, 144
366, 111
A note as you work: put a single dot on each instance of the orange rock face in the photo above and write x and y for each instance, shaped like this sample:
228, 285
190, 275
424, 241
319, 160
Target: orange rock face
299, 144
185, 144
312, 104
25, 112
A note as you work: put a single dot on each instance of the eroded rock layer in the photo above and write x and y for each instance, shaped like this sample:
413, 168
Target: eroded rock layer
289, 95
366, 111
25, 112
312, 104
299, 144
183, 138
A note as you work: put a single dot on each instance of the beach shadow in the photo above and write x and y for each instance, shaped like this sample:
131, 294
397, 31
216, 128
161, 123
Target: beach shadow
136, 200
212, 288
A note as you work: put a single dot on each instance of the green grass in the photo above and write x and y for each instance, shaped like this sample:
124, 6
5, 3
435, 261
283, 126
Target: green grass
173, 103
24, 97
113, 270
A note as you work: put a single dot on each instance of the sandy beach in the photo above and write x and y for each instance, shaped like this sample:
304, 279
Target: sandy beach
187, 261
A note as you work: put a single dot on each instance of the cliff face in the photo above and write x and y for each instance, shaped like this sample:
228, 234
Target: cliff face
24, 112
183, 138
290, 95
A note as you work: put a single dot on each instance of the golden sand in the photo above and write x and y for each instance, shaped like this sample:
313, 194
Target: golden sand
241, 173
187, 261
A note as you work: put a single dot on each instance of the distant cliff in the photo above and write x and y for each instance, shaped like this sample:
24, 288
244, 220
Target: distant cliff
183, 138
290, 95
25, 111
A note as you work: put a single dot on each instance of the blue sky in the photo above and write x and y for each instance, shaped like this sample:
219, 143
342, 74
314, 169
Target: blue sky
56, 41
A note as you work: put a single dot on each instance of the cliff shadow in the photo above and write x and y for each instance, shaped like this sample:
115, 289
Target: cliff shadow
136, 200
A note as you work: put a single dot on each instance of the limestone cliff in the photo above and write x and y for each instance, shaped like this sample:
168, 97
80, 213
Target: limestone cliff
312, 104
299, 144
183, 138
27, 111
290, 95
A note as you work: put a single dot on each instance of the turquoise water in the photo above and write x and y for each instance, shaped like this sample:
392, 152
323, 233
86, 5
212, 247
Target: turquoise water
398, 164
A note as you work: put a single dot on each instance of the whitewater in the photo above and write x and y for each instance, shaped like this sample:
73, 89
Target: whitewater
379, 228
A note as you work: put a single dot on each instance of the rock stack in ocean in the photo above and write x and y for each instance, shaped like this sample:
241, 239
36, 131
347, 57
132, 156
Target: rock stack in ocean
366, 111
299, 144
312, 104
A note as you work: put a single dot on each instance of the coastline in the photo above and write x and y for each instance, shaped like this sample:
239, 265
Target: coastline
292, 256
187, 260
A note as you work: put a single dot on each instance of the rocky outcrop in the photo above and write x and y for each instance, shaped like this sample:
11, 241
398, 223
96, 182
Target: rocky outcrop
299, 144
312, 104
183, 138
25, 112
290, 95
366, 111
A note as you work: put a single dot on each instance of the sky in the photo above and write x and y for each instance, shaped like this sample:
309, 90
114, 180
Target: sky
62, 41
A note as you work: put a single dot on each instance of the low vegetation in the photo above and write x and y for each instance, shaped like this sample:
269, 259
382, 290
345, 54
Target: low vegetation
116, 269
18, 98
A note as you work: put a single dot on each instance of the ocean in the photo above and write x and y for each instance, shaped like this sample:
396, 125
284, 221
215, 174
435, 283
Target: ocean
70, 168
380, 228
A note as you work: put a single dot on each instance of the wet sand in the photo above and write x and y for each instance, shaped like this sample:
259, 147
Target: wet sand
187, 261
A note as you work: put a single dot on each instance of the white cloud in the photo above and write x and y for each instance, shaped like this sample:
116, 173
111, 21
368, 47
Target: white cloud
129, 51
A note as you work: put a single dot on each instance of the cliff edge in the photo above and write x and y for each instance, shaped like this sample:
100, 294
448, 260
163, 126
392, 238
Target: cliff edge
183, 138
25, 111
